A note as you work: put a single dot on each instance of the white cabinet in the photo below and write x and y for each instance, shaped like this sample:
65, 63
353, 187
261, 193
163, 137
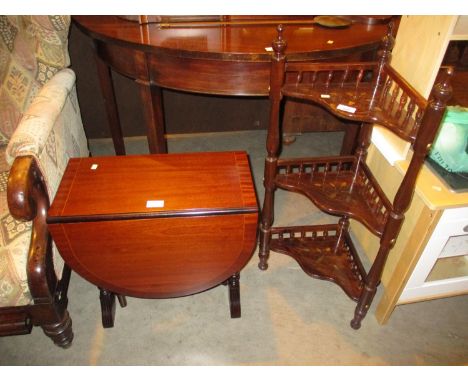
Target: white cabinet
442, 269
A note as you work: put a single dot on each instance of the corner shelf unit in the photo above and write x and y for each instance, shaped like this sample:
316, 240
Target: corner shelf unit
344, 186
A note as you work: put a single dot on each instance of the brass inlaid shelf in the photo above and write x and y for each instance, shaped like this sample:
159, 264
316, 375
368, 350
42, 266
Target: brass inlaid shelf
318, 251
359, 92
344, 186
337, 185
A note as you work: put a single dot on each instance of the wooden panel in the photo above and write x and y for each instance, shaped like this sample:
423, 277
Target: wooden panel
203, 234
238, 42
206, 76
205, 182
419, 49
406, 261
239, 50
14, 321
158, 258
434, 192
420, 46
127, 61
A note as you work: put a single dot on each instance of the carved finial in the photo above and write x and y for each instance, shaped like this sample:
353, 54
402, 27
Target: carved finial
443, 89
387, 44
449, 73
279, 45
280, 29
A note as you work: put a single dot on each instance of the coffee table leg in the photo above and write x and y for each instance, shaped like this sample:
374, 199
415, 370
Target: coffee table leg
122, 300
234, 296
107, 307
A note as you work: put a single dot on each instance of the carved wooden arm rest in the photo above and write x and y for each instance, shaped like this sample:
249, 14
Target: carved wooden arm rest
49, 133
28, 201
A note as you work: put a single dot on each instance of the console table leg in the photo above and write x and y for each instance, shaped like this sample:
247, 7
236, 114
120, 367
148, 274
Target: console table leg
234, 296
110, 103
107, 308
152, 101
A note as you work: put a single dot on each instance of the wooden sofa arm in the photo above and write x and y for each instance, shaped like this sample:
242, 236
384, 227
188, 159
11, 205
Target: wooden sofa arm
23, 177
28, 200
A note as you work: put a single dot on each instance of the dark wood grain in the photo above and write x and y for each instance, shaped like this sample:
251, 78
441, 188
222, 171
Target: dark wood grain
203, 235
382, 97
234, 296
339, 186
219, 58
157, 258
186, 182
316, 251
107, 300
233, 42
344, 186
110, 103
28, 201
14, 321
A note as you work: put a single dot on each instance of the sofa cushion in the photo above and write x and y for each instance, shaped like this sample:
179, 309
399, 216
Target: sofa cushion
32, 50
15, 237
51, 131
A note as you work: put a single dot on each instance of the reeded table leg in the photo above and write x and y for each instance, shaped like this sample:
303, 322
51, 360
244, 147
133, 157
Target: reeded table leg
234, 296
107, 308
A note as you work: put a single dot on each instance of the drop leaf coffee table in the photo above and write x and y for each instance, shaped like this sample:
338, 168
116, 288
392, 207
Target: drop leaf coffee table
156, 226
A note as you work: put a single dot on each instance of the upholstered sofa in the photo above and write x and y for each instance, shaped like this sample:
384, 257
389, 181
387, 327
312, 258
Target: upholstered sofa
40, 129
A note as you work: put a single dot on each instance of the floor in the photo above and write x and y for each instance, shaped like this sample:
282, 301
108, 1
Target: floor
287, 317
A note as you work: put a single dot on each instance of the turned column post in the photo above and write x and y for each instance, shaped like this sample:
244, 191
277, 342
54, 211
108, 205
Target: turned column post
429, 126
365, 133
278, 62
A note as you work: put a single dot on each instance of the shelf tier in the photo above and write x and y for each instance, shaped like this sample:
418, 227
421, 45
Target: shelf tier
321, 254
339, 186
351, 92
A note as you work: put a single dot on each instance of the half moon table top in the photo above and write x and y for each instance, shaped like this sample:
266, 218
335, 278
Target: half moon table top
237, 40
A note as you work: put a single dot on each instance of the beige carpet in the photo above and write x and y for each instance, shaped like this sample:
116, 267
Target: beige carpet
287, 318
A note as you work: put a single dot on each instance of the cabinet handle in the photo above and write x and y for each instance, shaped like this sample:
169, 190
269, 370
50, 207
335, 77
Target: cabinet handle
465, 229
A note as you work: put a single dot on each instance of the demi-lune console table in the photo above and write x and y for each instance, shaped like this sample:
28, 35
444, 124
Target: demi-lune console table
230, 57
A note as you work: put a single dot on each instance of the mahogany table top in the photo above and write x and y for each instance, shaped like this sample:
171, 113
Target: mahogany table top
244, 41
119, 187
